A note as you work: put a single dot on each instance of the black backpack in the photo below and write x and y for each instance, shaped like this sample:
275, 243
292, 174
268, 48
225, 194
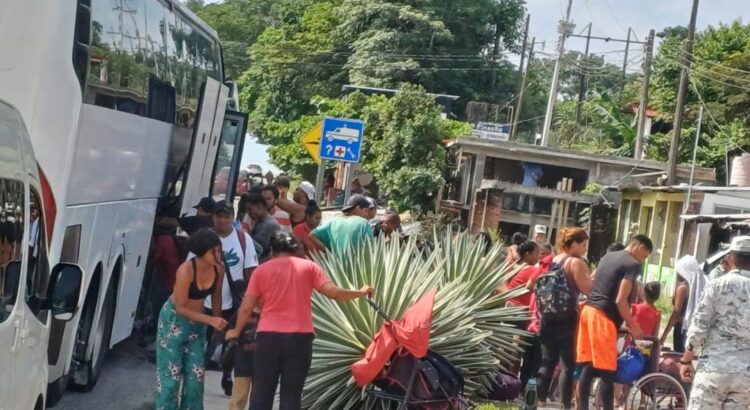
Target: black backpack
554, 295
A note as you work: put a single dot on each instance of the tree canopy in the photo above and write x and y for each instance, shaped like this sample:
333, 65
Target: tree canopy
291, 59
719, 78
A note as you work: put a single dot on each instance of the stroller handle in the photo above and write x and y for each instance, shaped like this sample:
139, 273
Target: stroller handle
377, 308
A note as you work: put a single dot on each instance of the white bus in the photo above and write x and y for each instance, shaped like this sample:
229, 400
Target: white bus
125, 103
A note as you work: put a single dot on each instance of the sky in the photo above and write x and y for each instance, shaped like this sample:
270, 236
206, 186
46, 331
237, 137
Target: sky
612, 18
255, 153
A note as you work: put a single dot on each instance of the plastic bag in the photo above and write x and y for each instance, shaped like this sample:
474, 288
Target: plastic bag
630, 365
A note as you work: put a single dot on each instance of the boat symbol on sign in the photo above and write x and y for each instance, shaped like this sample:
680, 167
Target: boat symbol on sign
349, 135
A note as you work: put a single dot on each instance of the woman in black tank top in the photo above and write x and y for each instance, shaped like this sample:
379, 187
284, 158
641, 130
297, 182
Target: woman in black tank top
181, 334
558, 338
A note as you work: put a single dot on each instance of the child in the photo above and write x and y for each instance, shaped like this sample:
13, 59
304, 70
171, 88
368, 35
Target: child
648, 318
646, 314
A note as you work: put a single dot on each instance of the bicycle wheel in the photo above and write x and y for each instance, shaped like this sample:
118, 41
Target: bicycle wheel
657, 391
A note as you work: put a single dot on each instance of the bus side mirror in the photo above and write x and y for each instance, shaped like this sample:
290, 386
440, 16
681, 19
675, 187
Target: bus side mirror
64, 290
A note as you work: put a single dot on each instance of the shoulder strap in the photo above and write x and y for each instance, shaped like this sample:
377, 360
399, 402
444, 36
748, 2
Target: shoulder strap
243, 243
195, 269
569, 275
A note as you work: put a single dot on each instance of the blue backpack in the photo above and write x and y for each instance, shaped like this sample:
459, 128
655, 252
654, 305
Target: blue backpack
554, 295
630, 365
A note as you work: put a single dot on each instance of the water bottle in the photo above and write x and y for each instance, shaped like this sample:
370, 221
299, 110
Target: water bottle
530, 395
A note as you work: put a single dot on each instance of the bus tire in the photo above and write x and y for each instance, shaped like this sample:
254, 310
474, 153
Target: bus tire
88, 371
55, 390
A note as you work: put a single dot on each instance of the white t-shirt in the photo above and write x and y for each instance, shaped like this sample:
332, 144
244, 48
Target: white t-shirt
231, 247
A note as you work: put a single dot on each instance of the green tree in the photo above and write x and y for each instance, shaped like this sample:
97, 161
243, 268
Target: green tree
239, 23
403, 145
408, 157
720, 78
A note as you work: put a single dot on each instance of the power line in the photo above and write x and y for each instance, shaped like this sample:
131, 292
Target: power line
391, 66
708, 76
617, 20
711, 116
709, 62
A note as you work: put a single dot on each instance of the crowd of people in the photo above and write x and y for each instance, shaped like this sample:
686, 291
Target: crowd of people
237, 291
565, 352
241, 283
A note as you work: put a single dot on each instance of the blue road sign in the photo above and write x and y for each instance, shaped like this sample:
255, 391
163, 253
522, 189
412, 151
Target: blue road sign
341, 139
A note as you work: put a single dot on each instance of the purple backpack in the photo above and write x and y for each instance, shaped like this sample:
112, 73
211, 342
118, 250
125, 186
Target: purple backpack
505, 387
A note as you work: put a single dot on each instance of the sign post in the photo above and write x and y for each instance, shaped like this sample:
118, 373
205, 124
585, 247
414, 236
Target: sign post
319, 194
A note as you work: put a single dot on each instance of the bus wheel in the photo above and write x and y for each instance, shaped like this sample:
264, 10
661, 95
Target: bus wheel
87, 371
56, 389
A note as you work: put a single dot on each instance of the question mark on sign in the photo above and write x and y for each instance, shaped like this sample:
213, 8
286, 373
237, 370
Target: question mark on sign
329, 149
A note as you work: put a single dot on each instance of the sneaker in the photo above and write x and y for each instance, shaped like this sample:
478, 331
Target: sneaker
227, 385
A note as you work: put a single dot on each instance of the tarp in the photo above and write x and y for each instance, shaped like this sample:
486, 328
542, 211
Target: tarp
412, 333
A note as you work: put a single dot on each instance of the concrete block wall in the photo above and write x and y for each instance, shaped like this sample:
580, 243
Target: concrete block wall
490, 215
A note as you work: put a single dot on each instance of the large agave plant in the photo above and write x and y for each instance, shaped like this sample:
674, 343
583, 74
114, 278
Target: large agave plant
471, 327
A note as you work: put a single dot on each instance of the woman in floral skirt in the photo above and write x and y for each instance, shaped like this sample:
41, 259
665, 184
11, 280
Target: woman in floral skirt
181, 334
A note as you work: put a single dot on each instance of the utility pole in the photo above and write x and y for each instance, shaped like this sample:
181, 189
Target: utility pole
677, 128
495, 52
565, 29
643, 106
519, 102
627, 49
686, 203
523, 48
582, 89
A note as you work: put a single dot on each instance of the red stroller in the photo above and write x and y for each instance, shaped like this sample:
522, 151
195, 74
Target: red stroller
399, 363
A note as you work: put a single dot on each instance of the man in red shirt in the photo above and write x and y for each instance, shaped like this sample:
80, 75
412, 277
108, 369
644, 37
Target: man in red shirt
271, 195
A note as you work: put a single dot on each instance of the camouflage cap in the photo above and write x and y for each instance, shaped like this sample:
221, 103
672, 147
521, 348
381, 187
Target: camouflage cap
740, 244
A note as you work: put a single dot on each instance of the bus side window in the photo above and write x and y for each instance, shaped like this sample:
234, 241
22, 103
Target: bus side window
38, 266
11, 237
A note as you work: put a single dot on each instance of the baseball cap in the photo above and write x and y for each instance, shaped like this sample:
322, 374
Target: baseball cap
540, 229
372, 202
308, 189
207, 204
223, 206
740, 244
356, 200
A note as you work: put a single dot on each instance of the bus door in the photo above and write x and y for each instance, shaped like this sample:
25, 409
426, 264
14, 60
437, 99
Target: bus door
205, 137
228, 157
213, 149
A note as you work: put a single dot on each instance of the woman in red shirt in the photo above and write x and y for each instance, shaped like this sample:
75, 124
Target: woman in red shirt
528, 253
285, 330
302, 231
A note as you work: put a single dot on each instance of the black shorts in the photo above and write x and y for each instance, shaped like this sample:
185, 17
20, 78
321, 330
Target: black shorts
244, 362
244, 354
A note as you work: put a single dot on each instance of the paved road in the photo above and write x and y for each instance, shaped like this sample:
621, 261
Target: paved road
127, 382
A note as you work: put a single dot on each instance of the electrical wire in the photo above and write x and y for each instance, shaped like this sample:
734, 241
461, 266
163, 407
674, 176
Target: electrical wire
617, 20
268, 63
709, 62
699, 72
711, 116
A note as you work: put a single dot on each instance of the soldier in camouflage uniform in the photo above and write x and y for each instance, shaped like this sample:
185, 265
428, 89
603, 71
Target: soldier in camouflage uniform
719, 335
